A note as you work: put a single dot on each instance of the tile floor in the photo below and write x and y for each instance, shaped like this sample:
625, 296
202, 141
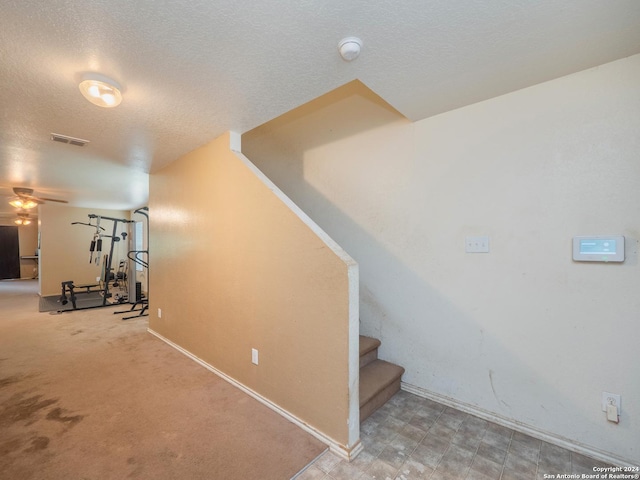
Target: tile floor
414, 438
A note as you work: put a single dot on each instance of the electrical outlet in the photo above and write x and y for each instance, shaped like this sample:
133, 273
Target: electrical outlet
97, 279
159, 313
254, 356
611, 399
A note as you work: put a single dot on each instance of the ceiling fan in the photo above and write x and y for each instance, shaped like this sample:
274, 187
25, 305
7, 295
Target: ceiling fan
25, 199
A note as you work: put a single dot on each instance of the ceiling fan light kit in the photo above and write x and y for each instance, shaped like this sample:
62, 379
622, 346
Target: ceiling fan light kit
100, 90
23, 203
23, 219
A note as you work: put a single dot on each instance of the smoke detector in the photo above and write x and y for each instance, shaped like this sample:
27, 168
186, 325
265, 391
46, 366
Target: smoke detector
349, 48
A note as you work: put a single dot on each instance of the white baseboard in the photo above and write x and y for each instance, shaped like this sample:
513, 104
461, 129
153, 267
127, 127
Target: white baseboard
519, 427
335, 447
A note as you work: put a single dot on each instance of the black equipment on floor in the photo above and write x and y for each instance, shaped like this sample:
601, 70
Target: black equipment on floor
141, 301
136, 256
107, 276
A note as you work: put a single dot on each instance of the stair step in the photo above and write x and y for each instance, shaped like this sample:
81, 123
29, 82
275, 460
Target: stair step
368, 350
379, 381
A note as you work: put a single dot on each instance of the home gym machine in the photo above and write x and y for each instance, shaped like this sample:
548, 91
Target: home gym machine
107, 276
137, 257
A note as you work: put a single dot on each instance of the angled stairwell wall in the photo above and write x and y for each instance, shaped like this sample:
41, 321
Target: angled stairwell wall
237, 266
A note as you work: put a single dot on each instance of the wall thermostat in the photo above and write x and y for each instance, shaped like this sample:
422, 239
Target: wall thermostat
599, 248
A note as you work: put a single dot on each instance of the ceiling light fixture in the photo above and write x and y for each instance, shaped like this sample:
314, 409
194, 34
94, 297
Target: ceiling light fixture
23, 219
349, 48
23, 203
100, 90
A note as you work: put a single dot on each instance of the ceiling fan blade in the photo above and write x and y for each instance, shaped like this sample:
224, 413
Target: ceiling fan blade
27, 194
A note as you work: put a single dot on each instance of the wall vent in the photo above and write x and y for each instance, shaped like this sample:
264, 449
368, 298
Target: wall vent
78, 142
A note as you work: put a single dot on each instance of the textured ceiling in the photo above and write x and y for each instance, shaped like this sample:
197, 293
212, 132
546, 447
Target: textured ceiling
191, 70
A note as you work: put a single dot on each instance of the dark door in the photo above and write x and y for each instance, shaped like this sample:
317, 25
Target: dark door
9, 253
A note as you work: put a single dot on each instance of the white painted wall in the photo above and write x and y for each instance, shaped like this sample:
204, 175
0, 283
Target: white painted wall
522, 332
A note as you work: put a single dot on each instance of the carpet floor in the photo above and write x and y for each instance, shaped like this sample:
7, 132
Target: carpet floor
84, 395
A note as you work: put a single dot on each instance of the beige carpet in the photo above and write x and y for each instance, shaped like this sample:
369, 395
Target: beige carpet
85, 395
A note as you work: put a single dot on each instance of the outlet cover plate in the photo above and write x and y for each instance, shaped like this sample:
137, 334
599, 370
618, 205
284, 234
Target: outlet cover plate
611, 398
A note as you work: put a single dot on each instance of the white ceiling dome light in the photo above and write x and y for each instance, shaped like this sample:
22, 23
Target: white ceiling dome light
100, 90
349, 48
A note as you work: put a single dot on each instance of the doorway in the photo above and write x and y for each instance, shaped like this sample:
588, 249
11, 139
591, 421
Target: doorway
9, 253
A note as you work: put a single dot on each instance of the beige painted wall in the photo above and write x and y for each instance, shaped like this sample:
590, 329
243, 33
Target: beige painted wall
28, 243
234, 268
522, 333
64, 248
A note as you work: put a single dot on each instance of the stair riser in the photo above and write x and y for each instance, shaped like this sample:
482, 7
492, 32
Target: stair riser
378, 400
367, 358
